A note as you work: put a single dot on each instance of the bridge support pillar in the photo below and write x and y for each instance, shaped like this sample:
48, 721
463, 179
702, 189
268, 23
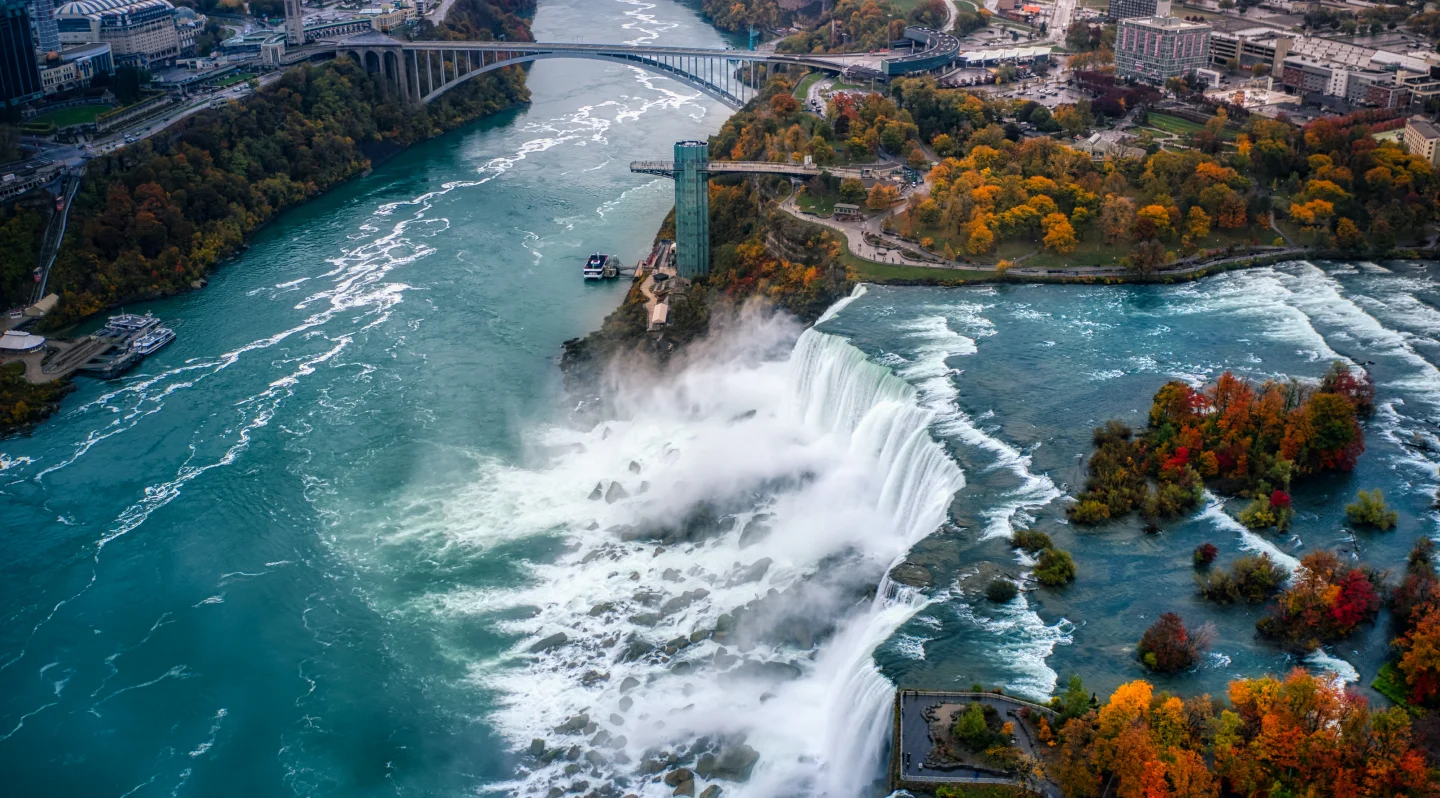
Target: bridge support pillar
692, 209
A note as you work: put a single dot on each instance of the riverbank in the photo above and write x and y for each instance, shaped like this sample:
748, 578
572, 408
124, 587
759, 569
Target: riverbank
158, 217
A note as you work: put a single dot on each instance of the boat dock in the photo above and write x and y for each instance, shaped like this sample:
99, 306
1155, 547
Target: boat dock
122, 343
659, 281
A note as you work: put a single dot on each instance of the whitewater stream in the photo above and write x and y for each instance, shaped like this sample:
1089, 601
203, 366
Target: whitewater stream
345, 537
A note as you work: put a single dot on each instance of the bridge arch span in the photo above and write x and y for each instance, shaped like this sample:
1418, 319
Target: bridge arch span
710, 88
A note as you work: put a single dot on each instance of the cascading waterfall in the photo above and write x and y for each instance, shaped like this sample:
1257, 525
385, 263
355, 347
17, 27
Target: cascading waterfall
723, 638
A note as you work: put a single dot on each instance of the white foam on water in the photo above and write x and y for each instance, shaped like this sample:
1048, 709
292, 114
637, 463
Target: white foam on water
1264, 294
834, 309
837, 453
1322, 299
1325, 663
1214, 512
1021, 642
932, 376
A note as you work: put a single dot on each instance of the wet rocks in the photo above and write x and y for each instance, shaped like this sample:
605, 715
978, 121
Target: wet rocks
734, 763
629, 683
616, 720
592, 678
615, 493
553, 641
634, 467
739, 417
627, 701
598, 493
646, 619
753, 573
601, 608
686, 789
573, 725
713, 791
683, 600
912, 574
756, 530
537, 747
671, 575
678, 776
635, 649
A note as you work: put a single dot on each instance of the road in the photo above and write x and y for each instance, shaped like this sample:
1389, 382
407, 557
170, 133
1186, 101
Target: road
149, 128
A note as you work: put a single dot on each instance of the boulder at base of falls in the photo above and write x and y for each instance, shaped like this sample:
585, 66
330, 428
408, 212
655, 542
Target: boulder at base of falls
615, 493
537, 748
685, 790
634, 467
756, 530
734, 763
599, 491
678, 776
628, 684
754, 573
574, 724
912, 574
553, 641
713, 791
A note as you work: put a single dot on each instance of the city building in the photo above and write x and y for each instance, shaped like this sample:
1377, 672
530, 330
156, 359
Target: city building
140, 32
1129, 9
692, 208
1422, 138
1154, 49
294, 23
19, 74
42, 23
74, 67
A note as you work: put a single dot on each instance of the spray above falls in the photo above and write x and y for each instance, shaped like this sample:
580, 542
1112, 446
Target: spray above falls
723, 586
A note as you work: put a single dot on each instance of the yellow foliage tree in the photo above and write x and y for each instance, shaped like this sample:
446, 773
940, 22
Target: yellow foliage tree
1059, 234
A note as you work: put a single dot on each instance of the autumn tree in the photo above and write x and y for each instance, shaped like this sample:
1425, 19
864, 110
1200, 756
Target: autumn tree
1197, 222
1167, 646
882, 196
1117, 217
1059, 234
1347, 235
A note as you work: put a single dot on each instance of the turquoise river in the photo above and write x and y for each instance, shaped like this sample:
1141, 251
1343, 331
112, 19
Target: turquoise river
327, 543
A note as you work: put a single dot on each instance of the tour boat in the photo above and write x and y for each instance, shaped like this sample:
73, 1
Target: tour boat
151, 342
595, 268
130, 323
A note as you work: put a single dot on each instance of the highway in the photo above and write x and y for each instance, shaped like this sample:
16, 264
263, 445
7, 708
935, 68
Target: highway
116, 140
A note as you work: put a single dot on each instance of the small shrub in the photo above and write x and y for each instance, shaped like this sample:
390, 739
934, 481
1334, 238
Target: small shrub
974, 727
1205, 554
1055, 567
1031, 541
1369, 509
1090, 512
1001, 591
1167, 646
1252, 579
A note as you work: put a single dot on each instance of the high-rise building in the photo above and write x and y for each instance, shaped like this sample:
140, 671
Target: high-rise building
1127, 9
692, 209
294, 23
1155, 49
19, 72
42, 22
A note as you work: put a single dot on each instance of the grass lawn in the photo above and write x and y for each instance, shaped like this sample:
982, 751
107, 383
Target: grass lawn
870, 272
803, 89
65, 117
820, 205
1174, 124
233, 79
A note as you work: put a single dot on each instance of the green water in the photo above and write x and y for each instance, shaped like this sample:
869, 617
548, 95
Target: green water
191, 603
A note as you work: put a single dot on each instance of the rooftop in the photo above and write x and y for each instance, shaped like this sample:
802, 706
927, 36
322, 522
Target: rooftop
85, 8
1424, 127
1168, 23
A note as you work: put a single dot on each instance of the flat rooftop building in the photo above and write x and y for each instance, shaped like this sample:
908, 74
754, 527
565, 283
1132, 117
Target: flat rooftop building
1154, 49
1422, 138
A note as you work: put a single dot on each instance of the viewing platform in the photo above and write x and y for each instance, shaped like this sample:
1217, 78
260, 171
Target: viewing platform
926, 754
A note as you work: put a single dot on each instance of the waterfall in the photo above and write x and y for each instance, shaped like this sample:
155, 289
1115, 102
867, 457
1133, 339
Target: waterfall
835, 454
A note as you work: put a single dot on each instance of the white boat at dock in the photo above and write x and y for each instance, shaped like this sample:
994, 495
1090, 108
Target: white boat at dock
153, 341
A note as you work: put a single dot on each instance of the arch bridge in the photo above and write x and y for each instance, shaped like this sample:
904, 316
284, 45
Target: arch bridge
421, 71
